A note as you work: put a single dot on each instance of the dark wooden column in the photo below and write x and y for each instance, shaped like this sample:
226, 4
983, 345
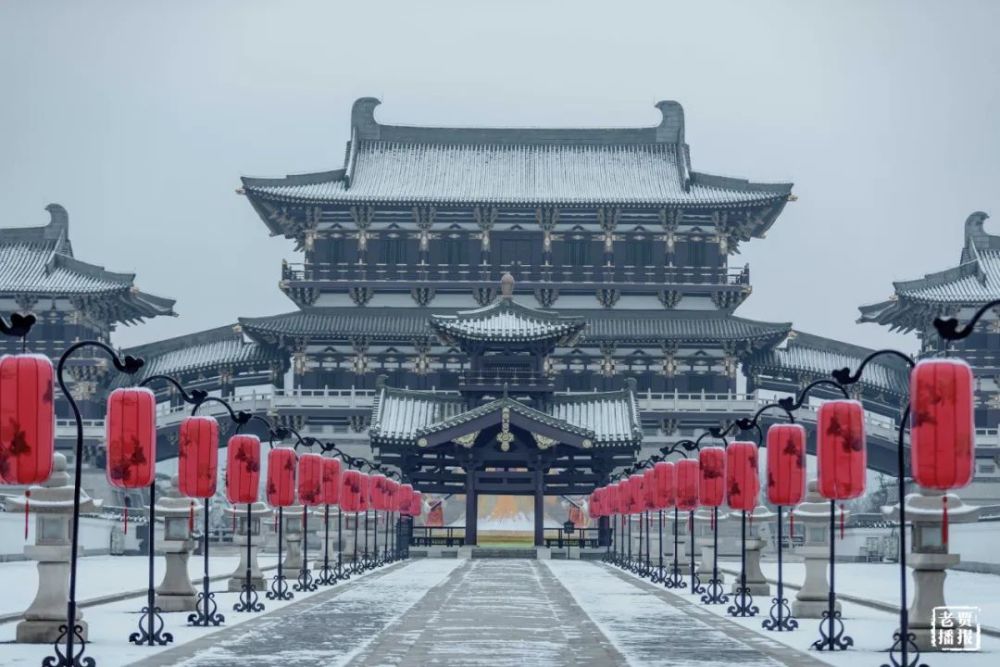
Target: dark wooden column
539, 504
471, 504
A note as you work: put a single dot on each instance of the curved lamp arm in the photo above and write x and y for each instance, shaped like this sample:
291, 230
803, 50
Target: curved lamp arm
239, 418
195, 397
745, 424
844, 376
948, 329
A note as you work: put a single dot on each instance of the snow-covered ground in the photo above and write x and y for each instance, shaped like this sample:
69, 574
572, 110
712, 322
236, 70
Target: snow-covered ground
880, 582
100, 576
111, 624
870, 628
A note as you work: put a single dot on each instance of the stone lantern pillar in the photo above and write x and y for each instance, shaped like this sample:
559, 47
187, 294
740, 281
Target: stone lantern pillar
813, 515
52, 505
756, 581
175, 592
704, 540
292, 518
929, 557
258, 512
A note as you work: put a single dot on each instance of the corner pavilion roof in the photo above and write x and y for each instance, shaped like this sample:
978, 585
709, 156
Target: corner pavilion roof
974, 281
392, 164
507, 321
39, 261
403, 416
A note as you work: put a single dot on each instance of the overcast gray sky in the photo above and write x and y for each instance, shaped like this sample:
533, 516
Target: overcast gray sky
140, 117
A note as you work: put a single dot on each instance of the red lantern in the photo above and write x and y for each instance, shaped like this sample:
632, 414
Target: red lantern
712, 481
243, 469
281, 477
663, 476
27, 419
311, 479
331, 481
198, 457
742, 476
376, 492
786, 464
943, 429
613, 500
416, 506
130, 430
365, 499
649, 489
403, 498
350, 491
841, 457
637, 494
688, 475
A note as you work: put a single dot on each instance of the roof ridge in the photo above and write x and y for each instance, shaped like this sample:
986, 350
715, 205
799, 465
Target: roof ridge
670, 130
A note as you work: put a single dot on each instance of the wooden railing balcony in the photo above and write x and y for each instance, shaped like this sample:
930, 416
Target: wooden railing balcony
351, 272
521, 380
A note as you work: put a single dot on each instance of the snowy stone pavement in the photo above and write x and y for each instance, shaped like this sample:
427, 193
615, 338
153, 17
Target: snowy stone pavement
494, 613
487, 612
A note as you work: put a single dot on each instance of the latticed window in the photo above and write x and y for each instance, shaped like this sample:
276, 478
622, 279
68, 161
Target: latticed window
639, 252
392, 251
578, 252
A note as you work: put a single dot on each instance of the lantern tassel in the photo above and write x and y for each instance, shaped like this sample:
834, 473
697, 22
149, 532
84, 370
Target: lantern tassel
27, 496
191, 518
234, 521
125, 518
841, 520
751, 518
791, 526
711, 521
944, 520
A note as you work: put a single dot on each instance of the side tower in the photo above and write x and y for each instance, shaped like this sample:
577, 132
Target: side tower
73, 300
959, 292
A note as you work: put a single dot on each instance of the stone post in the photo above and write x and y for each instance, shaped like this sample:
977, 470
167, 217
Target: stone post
929, 557
292, 530
756, 581
813, 515
175, 592
52, 504
258, 512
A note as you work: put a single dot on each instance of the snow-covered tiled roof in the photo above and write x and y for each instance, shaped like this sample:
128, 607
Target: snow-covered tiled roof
39, 261
394, 324
606, 418
517, 174
515, 166
220, 347
507, 321
810, 356
974, 281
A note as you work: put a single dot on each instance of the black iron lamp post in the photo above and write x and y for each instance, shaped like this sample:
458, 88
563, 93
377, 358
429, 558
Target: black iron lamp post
207, 610
150, 630
70, 646
714, 593
780, 614
904, 641
831, 629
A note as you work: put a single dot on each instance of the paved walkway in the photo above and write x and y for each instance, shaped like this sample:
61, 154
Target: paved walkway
487, 612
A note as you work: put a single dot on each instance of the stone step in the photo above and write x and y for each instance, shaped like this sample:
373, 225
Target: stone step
486, 552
